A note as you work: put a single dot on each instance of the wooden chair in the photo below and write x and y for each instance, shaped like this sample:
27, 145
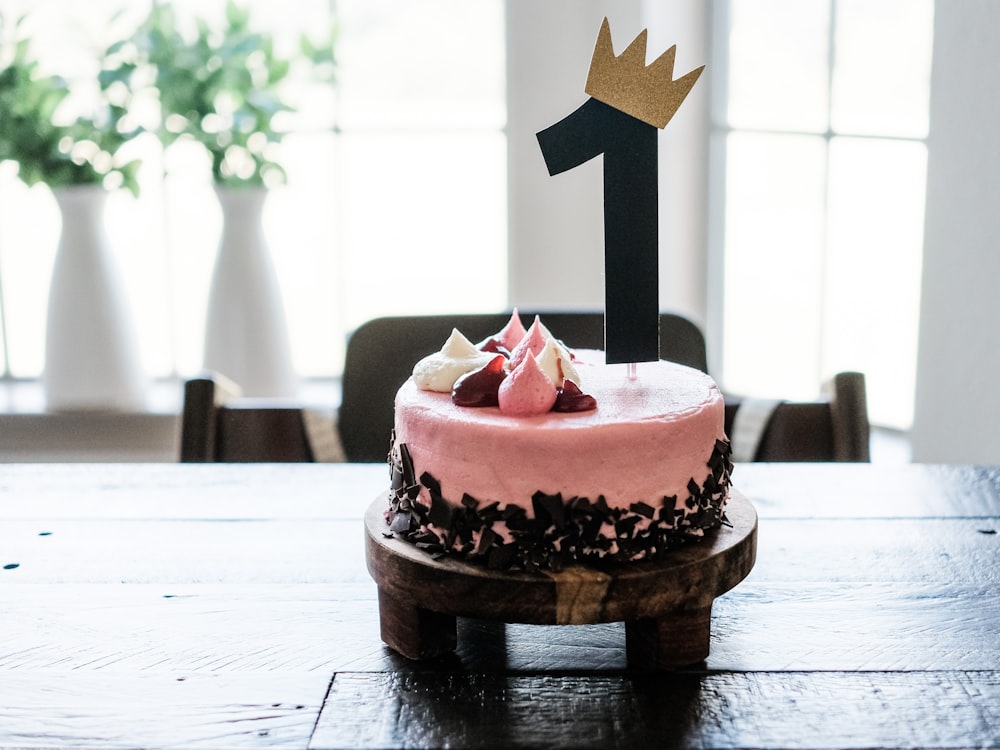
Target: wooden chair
835, 429
381, 354
218, 425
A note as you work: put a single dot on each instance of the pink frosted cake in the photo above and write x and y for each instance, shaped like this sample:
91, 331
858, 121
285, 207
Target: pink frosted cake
522, 454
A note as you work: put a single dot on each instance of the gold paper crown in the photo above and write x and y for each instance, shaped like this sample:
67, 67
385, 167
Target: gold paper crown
649, 93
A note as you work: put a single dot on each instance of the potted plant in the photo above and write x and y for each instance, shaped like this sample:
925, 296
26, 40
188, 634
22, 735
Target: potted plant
222, 87
36, 134
91, 354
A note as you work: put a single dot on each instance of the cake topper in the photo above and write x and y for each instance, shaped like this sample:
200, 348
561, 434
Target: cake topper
629, 101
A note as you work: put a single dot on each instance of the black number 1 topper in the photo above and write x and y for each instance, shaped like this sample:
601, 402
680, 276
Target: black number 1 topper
629, 101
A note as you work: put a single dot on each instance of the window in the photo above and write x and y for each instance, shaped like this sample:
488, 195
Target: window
398, 175
396, 185
818, 142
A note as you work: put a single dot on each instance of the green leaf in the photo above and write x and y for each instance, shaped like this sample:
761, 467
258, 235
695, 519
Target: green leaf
206, 69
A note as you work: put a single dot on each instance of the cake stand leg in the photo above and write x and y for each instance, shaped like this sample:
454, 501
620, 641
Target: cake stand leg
414, 632
677, 639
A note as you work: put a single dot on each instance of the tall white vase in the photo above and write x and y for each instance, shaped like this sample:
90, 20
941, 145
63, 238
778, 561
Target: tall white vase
91, 350
246, 334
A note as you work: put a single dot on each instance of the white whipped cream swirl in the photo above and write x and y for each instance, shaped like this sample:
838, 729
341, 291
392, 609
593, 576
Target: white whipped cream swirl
439, 371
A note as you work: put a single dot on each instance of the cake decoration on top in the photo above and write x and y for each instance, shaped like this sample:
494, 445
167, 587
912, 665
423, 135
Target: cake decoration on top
557, 364
439, 371
554, 358
628, 103
647, 92
527, 391
481, 387
571, 399
476, 375
509, 336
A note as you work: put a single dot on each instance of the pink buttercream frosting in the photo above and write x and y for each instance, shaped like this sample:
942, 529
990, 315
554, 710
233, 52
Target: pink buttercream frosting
512, 333
648, 438
533, 342
527, 391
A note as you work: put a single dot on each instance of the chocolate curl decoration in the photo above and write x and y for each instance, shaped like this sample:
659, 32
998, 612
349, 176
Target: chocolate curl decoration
629, 101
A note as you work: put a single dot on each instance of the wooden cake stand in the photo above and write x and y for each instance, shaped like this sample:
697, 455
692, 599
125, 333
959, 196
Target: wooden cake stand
666, 604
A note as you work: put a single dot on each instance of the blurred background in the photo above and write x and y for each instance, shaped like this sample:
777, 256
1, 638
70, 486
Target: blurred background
824, 207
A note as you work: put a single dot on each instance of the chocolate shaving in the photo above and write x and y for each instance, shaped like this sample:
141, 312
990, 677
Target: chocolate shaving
646, 511
549, 509
441, 512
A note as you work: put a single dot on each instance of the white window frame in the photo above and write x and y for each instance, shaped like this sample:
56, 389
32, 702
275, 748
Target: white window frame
720, 129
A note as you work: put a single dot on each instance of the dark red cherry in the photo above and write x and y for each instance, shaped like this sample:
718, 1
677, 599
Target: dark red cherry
493, 346
480, 387
570, 398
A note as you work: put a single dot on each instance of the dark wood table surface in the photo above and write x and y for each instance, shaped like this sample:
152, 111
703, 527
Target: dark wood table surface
229, 606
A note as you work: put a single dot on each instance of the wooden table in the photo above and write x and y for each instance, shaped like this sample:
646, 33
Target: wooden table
229, 606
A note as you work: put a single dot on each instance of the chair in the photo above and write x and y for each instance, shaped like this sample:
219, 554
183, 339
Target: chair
381, 354
835, 429
218, 425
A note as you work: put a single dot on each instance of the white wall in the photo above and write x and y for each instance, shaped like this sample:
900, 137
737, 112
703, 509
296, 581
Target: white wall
957, 415
556, 228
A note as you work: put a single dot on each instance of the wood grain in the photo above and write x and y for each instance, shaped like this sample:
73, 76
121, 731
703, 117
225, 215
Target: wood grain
111, 709
312, 627
870, 491
687, 710
300, 551
202, 605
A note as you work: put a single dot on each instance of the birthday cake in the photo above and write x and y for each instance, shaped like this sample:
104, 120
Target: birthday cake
522, 454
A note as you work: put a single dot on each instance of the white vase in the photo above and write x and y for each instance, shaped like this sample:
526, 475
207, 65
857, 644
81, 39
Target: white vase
91, 350
246, 334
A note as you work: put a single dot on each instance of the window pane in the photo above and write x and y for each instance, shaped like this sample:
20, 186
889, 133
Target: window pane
873, 271
437, 63
366, 222
881, 77
424, 224
773, 261
779, 64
